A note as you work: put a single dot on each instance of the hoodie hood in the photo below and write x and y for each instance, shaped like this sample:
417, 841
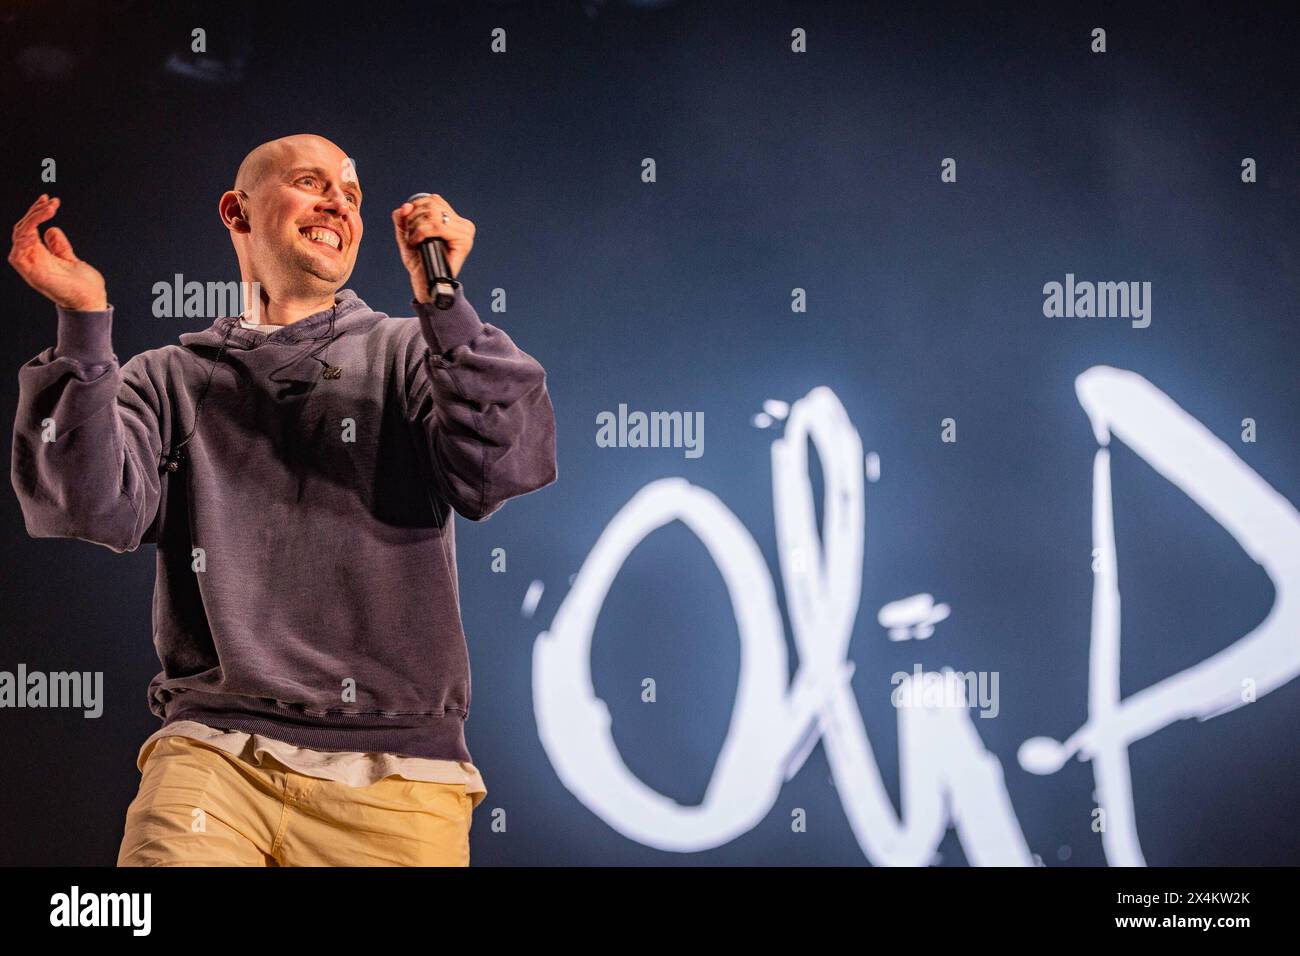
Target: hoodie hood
290, 358
350, 315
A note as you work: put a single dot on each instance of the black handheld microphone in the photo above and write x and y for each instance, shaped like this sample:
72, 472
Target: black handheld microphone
433, 253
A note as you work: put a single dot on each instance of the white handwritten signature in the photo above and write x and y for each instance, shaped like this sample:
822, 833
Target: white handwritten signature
948, 777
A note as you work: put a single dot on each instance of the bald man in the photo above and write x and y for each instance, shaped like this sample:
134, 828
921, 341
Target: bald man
297, 467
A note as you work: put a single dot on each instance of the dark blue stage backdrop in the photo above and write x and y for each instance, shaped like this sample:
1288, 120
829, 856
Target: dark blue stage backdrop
927, 396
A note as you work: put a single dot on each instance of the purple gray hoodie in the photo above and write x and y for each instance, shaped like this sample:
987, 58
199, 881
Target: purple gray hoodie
306, 553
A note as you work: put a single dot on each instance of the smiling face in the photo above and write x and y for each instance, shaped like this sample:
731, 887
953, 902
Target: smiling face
295, 216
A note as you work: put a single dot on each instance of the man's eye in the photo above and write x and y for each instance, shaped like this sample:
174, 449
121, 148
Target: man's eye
306, 179
352, 199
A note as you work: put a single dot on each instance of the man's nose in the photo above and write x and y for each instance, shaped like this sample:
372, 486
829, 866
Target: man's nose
335, 200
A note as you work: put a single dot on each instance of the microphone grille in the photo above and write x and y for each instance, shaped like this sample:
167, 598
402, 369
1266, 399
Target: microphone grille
418, 196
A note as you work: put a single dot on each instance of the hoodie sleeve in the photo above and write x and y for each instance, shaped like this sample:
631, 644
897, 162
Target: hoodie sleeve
481, 404
86, 441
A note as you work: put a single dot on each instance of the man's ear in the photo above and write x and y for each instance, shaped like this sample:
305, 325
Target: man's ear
232, 207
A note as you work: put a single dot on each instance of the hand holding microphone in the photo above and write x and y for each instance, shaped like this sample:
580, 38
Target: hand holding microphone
434, 243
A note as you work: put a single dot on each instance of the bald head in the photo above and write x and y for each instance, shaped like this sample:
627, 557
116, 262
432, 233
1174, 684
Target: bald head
277, 153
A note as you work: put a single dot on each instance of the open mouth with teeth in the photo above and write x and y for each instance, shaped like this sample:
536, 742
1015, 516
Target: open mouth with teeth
324, 236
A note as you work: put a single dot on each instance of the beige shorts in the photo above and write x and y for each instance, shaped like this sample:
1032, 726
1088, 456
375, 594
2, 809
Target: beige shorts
200, 806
